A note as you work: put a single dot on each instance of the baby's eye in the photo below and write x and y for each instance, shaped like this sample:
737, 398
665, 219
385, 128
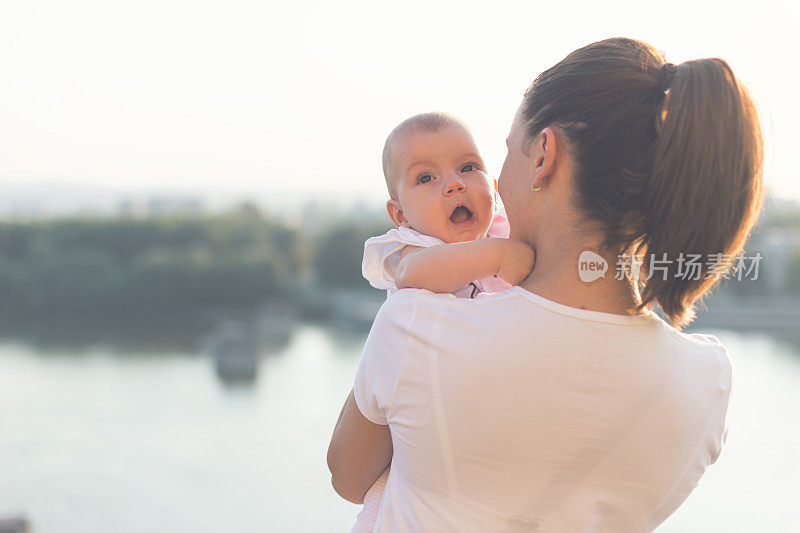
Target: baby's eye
425, 178
469, 167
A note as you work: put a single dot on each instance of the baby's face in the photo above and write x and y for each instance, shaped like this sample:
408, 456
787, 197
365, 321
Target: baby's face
441, 185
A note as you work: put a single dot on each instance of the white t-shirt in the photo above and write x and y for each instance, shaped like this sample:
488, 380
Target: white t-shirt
511, 412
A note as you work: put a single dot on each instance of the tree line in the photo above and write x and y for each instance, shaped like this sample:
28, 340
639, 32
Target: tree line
118, 267
160, 266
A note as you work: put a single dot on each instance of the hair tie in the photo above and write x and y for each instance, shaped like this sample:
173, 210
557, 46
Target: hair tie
665, 76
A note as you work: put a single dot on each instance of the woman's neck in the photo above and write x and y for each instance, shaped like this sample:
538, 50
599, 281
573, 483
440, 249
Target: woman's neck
556, 277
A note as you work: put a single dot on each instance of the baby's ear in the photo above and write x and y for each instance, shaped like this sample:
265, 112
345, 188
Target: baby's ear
396, 213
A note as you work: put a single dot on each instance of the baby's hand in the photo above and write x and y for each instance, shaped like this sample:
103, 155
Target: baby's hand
517, 262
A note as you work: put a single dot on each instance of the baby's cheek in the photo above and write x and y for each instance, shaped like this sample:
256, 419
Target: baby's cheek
428, 221
487, 215
487, 204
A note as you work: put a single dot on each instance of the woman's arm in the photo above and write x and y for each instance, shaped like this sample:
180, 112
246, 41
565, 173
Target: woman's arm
448, 267
359, 452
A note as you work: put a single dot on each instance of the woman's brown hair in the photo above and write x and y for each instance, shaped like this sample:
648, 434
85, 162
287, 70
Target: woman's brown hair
667, 159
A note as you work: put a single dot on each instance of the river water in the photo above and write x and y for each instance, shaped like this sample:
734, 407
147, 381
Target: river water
101, 438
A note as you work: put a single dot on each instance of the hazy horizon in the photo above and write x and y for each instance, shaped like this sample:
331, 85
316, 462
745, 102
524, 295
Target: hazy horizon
297, 101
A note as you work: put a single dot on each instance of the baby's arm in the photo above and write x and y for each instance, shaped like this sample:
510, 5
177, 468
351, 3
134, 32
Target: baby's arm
448, 267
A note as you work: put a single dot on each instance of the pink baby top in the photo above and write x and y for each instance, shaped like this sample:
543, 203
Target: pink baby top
382, 254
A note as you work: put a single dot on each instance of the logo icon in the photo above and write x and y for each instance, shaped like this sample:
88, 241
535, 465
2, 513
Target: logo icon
591, 266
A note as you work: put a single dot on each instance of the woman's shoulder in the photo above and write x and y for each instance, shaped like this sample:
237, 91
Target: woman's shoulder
709, 346
421, 306
409, 298
406, 302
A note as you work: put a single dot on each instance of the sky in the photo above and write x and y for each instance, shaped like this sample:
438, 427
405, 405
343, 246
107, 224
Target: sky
294, 99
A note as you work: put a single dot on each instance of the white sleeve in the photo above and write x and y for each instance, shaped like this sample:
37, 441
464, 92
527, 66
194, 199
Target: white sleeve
382, 359
380, 251
373, 267
730, 374
720, 419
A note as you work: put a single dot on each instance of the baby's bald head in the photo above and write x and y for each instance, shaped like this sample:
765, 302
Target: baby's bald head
418, 123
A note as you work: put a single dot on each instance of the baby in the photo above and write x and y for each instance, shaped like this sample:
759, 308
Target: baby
450, 235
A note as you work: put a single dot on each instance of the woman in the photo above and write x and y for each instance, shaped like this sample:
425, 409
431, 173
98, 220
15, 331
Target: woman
562, 404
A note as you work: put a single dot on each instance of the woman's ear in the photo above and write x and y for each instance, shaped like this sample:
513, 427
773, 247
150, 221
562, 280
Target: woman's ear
544, 151
396, 213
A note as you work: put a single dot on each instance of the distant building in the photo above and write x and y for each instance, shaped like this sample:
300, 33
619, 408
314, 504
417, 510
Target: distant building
160, 206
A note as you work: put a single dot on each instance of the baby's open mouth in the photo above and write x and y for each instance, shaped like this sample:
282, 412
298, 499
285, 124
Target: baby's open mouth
460, 215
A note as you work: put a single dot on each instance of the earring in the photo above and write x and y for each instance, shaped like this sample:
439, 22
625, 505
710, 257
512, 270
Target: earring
535, 188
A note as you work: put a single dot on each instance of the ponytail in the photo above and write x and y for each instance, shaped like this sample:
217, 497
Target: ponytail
667, 159
704, 192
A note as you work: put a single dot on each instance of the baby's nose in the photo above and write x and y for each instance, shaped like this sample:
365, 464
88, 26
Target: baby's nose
455, 185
